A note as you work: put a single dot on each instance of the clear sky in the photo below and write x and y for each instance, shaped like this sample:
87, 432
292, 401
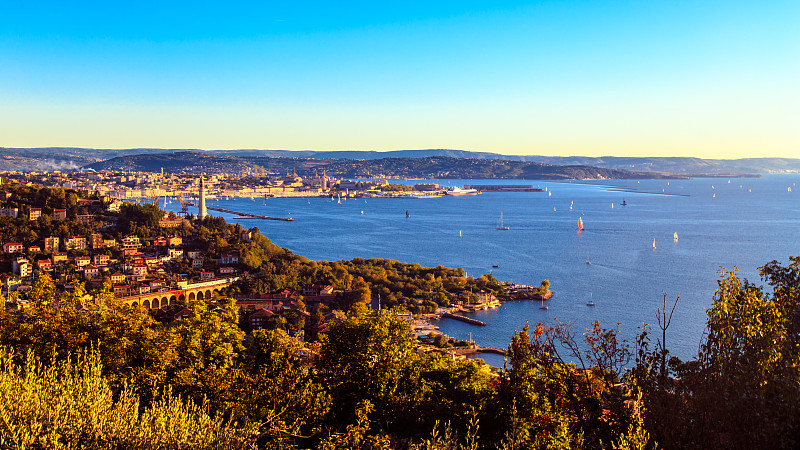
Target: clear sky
716, 79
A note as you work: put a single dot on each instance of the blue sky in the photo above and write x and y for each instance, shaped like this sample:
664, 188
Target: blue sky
712, 79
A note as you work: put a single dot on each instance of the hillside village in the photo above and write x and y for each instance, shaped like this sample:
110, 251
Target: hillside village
143, 257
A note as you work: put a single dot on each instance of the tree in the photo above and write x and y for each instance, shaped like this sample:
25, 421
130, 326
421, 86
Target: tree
366, 357
751, 359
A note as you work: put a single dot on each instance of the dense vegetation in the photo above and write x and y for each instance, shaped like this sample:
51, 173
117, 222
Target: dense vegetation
81, 370
363, 386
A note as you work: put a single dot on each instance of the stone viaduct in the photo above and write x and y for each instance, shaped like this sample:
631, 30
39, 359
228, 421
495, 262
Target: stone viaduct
201, 291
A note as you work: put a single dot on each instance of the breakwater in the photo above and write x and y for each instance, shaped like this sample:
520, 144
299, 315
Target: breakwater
243, 215
464, 319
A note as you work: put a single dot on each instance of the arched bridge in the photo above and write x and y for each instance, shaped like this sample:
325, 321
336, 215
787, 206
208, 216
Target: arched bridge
200, 291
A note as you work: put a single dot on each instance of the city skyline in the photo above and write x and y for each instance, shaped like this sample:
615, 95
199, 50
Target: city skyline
678, 78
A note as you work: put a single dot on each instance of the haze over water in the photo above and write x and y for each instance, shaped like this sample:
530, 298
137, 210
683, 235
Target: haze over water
743, 223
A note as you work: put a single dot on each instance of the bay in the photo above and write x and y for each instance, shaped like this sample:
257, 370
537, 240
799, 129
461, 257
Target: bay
738, 223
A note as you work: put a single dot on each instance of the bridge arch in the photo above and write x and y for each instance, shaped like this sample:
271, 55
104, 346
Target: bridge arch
135, 304
146, 304
172, 300
182, 298
164, 302
208, 294
191, 296
200, 295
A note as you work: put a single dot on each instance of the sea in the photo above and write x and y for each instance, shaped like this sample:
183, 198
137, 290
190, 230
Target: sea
722, 224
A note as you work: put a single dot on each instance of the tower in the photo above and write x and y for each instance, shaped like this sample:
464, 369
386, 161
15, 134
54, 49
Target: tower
202, 212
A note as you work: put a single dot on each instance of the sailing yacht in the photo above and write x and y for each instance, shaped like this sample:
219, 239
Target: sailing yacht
591, 300
675, 236
654, 243
580, 223
500, 225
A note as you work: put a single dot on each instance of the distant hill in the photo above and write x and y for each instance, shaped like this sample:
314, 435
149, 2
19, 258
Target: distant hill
434, 167
50, 158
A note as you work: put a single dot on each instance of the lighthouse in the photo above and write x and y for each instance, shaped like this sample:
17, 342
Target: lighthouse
203, 212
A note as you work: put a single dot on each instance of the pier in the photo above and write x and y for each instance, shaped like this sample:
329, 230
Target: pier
464, 319
243, 215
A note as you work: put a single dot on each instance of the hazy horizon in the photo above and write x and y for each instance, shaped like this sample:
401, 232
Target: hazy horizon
665, 78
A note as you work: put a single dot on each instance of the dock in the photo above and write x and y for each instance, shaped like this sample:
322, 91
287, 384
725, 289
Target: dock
244, 215
464, 319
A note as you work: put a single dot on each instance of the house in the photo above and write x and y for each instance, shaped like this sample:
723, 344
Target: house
45, 265
59, 257
97, 241
12, 247
110, 243
175, 253
229, 259
51, 244
259, 318
206, 275
164, 315
247, 236
22, 267
9, 212
76, 243
273, 302
175, 240
151, 261
101, 260
82, 261
121, 290
226, 271
139, 269
160, 241
86, 218
197, 264
129, 242
35, 213
35, 249
157, 284
117, 278
135, 278
91, 271
130, 252
144, 289
192, 254
60, 214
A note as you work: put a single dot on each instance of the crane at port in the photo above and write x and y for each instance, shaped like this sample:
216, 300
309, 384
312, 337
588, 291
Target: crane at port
184, 207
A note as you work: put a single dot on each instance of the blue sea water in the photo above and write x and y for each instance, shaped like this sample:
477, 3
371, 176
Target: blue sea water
738, 223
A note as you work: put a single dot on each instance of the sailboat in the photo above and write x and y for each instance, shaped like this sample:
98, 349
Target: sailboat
675, 236
591, 300
580, 223
459, 233
500, 225
654, 243
624, 203
554, 209
570, 205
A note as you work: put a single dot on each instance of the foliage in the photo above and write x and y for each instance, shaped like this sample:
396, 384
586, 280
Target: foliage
68, 404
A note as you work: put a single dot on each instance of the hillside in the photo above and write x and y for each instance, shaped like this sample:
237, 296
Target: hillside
59, 158
429, 167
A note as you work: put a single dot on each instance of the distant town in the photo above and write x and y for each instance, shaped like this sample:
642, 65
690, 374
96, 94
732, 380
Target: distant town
148, 186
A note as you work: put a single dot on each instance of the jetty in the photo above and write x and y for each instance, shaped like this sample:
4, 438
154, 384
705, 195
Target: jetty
244, 215
463, 319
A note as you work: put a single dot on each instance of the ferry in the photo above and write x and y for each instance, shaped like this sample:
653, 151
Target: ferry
459, 191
